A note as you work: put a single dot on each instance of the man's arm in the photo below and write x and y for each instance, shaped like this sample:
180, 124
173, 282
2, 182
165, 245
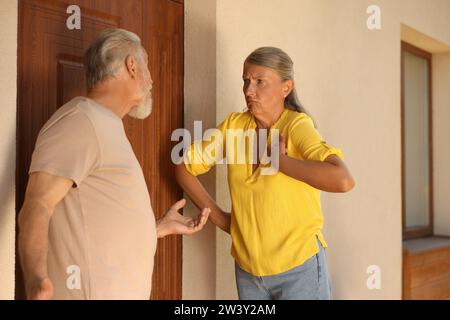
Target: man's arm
201, 198
44, 192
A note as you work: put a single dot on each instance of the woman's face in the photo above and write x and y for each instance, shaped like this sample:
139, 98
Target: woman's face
263, 89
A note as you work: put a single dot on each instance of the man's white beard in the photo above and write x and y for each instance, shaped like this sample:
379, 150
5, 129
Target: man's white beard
143, 109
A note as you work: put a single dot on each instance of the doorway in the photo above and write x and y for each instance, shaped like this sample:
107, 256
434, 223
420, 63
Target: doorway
51, 72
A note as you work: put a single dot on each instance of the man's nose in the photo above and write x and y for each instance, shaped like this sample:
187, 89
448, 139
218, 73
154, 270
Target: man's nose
150, 80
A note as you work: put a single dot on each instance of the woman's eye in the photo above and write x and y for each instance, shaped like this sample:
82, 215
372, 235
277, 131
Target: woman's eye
259, 81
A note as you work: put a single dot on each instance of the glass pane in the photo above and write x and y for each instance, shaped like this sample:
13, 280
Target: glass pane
417, 181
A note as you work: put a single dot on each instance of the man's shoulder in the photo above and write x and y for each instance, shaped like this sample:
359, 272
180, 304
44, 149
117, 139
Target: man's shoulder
81, 112
71, 115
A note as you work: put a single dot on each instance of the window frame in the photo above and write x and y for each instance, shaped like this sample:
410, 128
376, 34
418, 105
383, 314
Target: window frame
426, 231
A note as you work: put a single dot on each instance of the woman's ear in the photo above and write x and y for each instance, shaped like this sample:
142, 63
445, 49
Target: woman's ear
288, 85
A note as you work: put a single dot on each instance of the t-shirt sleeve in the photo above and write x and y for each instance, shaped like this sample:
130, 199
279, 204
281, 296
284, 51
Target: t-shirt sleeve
67, 148
202, 155
309, 141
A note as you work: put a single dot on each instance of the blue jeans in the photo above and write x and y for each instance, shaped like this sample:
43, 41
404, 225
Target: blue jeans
308, 281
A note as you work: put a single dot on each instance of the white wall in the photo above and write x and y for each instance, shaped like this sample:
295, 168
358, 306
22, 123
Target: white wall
8, 91
199, 253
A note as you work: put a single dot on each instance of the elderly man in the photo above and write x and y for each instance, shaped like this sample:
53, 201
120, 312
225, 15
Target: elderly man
87, 229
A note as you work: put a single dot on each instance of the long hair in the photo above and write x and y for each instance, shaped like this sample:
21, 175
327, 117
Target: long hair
279, 61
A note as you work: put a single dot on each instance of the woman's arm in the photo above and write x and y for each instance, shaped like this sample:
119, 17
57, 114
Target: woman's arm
331, 175
320, 169
201, 198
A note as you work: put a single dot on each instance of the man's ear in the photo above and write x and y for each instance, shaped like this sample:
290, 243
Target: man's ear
288, 85
131, 65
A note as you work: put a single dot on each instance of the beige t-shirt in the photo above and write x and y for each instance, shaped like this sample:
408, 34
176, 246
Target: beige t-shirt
102, 235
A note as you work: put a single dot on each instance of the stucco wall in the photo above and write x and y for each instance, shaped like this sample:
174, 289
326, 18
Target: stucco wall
8, 91
199, 252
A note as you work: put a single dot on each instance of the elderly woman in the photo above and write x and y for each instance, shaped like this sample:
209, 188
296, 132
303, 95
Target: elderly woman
276, 219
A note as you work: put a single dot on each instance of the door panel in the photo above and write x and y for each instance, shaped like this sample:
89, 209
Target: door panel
51, 72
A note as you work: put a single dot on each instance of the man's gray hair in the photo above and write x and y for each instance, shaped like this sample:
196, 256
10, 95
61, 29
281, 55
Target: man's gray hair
106, 56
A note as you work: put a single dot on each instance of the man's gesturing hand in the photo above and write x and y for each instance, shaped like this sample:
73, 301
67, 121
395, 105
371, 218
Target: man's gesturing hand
175, 223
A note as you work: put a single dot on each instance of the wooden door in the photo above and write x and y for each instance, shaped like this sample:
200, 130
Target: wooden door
50, 72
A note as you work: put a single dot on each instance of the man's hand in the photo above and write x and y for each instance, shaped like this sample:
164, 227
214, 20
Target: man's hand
175, 223
40, 290
44, 192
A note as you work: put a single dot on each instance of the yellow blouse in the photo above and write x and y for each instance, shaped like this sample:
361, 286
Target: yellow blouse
274, 218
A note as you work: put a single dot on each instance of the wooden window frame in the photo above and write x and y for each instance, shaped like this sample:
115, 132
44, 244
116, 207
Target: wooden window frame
426, 231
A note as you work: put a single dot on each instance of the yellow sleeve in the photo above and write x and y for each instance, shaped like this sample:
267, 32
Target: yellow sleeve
309, 141
202, 155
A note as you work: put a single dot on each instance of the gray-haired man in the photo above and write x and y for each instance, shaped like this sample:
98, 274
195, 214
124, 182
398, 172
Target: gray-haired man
87, 229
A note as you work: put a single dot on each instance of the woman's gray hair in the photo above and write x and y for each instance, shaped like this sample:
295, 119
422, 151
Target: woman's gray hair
279, 61
106, 55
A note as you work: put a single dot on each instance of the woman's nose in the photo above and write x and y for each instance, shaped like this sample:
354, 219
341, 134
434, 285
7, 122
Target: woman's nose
249, 92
